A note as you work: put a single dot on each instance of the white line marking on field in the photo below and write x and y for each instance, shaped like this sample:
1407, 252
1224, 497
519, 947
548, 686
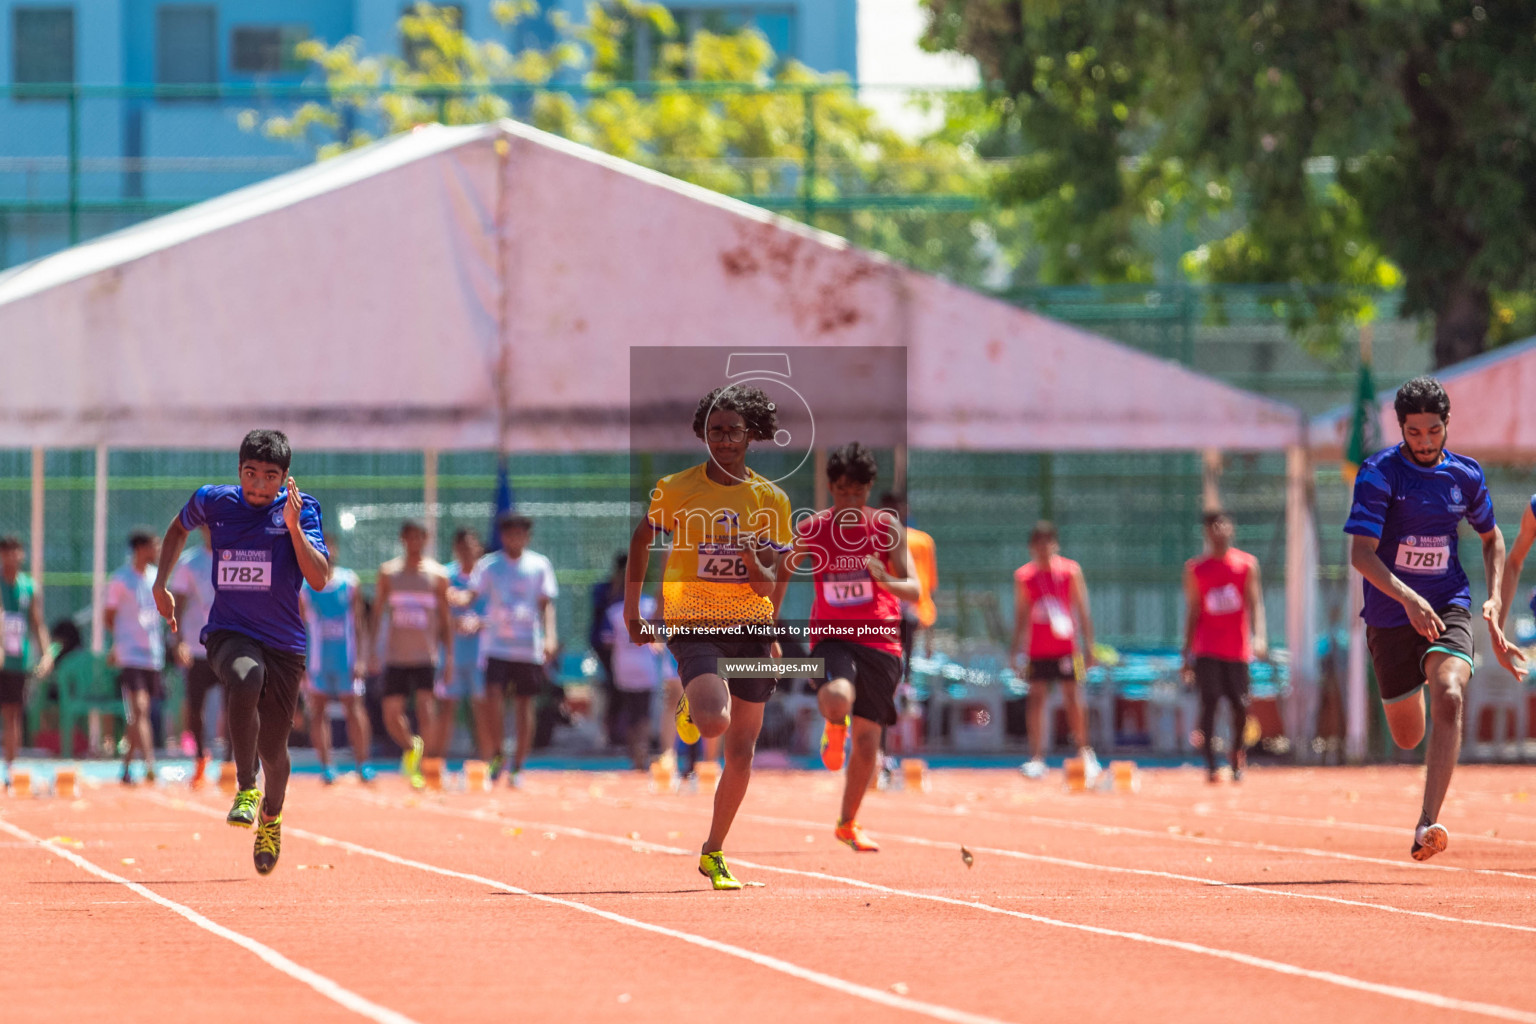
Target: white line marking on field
829, 981
1212, 811
1344, 981
319, 982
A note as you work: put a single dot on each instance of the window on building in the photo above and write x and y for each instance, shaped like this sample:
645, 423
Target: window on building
43, 45
266, 49
411, 49
186, 44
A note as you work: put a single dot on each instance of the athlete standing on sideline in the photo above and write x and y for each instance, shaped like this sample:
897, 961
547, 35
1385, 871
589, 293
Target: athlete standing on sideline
192, 585
730, 531
519, 637
413, 592
858, 558
1224, 630
468, 679
333, 614
138, 645
21, 622
1408, 503
267, 541
1051, 626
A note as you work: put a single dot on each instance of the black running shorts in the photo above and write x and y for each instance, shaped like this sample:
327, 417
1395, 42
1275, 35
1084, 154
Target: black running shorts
1398, 652
874, 675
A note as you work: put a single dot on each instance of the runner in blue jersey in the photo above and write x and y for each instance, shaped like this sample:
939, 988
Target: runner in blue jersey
1409, 501
332, 614
267, 542
468, 679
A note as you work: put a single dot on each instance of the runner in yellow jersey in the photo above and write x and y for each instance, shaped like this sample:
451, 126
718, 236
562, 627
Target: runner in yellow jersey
730, 531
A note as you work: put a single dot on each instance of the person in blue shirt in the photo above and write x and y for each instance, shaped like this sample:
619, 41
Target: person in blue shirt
267, 542
332, 614
1408, 502
468, 679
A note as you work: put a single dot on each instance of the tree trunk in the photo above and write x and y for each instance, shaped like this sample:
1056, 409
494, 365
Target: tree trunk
1461, 323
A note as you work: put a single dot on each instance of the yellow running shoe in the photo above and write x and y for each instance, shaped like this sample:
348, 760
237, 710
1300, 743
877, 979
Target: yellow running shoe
849, 833
269, 844
712, 866
410, 762
686, 730
834, 737
243, 813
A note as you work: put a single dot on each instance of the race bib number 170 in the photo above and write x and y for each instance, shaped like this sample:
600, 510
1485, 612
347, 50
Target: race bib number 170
245, 570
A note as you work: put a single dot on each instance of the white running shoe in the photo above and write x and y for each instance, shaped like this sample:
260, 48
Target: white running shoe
1091, 767
1429, 840
1034, 769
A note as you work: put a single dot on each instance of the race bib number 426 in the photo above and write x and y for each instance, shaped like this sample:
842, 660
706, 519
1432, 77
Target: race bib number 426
721, 563
1424, 556
245, 570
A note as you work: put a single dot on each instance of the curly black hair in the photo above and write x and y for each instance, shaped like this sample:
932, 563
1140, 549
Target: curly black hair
759, 414
852, 462
1422, 394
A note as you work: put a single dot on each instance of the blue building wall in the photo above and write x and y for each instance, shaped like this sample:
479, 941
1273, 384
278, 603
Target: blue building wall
152, 153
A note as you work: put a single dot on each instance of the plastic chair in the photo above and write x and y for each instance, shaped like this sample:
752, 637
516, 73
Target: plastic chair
86, 684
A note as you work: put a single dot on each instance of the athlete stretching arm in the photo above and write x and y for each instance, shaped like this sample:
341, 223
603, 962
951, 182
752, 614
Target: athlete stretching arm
1259, 628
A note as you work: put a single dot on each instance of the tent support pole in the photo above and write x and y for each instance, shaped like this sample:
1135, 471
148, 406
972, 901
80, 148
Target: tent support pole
39, 506
1356, 699
99, 554
429, 497
1210, 479
899, 477
819, 469
1300, 592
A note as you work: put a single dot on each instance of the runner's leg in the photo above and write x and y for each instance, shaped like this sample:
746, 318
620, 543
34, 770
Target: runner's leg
358, 729
319, 725
740, 741
522, 708
862, 761
1448, 676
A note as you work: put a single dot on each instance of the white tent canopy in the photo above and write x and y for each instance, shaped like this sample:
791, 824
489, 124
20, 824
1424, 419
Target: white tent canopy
1492, 418
475, 287
373, 301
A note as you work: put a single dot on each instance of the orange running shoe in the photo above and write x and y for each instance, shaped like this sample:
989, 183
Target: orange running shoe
848, 832
834, 737
200, 772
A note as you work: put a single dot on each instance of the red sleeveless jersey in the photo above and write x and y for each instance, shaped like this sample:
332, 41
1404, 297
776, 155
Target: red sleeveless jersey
1052, 631
849, 604
1222, 629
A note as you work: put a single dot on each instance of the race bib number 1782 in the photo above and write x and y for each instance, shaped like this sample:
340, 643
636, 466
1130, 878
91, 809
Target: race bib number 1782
245, 570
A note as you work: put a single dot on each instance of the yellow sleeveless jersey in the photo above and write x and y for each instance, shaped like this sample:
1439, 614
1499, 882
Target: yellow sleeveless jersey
708, 525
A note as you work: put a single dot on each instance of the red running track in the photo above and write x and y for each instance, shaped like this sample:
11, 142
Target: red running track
576, 898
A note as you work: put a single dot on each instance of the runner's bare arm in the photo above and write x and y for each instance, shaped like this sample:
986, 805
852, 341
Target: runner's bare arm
1191, 620
1514, 562
1363, 556
364, 635
170, 552
902, 581
40, 631
1021, 611
634, 579
763, 563
1493, 608
444, 623
1084, 616
315, 566
551, 634
1257, 624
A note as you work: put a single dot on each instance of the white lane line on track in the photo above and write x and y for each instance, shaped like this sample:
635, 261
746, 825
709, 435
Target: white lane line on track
319, 982
1039, 858
1261, 818
1344, 981
1240, 844
836, 984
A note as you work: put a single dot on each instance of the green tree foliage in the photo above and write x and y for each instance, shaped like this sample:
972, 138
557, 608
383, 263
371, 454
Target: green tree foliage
1338, 146
722, 111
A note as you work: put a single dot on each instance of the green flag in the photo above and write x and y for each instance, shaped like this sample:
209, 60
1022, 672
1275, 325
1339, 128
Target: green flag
1365, 433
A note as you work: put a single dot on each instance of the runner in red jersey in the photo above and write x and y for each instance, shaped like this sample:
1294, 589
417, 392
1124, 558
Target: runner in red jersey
1050, 611
862, 573
1223, 632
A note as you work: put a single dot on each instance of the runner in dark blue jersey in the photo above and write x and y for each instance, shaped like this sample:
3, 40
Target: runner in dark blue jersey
267, 542
1409, 501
